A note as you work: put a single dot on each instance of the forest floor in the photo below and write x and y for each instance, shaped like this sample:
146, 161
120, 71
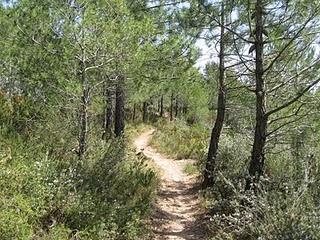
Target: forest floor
177, 210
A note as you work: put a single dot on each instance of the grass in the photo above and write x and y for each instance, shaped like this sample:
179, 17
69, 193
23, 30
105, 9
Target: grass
191, 169
181, 141
47, 194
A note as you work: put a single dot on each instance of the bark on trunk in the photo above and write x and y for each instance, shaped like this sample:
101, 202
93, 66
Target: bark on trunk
119, 109
83, 115
108, 113
258, 151
158, 105
185, 109
209, 176
145, 112
134, 112
176, 108
161, 106
171, 107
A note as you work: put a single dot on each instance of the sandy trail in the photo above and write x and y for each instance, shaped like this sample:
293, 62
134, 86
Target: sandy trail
177, 212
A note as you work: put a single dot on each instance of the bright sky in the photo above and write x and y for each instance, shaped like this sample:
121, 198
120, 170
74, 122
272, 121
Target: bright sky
207, 54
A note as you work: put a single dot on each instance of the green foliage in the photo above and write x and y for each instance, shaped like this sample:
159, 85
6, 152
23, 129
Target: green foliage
271, 215
191, 169
285, 206
51, 197
59, 232
58, 60
181, 141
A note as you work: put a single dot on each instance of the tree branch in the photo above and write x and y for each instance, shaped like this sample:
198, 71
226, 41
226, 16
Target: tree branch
296, 98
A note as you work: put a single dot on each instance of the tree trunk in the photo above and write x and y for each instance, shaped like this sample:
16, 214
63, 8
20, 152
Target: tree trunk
134, 112
161, 106
119, 109
158, 105
171, 107
176, 108
258, 151
185, 109
145, 112
108, 113
83, 115
209, 177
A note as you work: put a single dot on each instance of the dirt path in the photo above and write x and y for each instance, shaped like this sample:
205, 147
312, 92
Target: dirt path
177, 213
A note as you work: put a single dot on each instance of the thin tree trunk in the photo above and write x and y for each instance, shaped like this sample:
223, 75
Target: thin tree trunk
134, 112
185, 109
119, 109
209, 176
83, 124
161, 106
258, 151
158, 105
108, 113
145, 112
176, 108
171, 107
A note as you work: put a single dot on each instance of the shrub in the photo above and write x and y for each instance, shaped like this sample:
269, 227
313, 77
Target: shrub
269, 216
284, 208
48, 194
181, 141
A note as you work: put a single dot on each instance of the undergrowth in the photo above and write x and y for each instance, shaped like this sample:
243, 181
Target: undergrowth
191, 169
284, 207
46, 193
181, 141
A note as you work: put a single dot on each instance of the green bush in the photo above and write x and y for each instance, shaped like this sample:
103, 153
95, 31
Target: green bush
284, 208
48, 194
181, 141
269, 216
14, 222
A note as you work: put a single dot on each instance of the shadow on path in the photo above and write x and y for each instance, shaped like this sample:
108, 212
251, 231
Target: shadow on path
177, 213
